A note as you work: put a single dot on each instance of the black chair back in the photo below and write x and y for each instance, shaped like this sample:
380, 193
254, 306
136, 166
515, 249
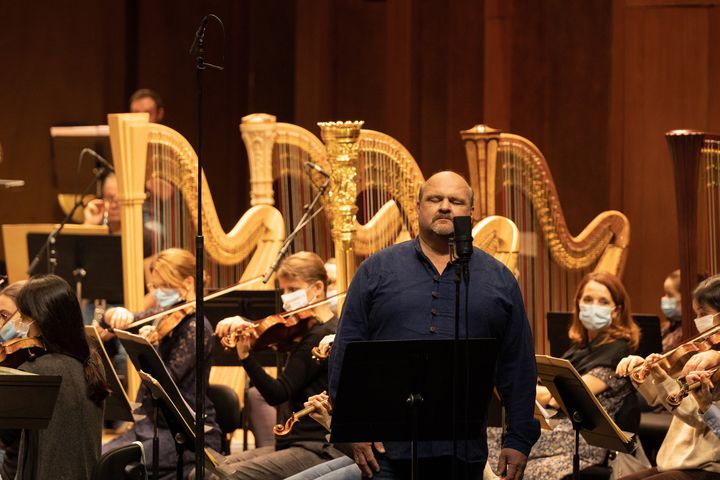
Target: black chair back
123, 463
227, 410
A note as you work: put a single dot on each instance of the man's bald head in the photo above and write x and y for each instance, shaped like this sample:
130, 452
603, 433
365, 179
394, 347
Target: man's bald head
444, 177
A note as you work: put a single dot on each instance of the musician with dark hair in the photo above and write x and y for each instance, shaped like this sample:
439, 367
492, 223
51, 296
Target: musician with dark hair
146, 100
303, 278
70, 446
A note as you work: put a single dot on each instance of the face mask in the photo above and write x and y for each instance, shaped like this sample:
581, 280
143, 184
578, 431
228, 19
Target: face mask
8, 331
294, 300
333, 301
670, 307
22, 328
705, 323
595, 317
166, 297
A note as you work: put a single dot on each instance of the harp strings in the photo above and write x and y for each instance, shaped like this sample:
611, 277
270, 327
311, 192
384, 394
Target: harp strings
168, 220
710, 189
546, 286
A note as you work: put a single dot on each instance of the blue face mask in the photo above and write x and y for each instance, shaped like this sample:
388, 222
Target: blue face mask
8, 331
595, 317
166, 297
670, 307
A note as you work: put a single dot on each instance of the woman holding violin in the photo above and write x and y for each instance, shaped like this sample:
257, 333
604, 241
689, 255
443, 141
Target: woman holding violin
172, 280
70, 446
303, 279
602, 332
690, 450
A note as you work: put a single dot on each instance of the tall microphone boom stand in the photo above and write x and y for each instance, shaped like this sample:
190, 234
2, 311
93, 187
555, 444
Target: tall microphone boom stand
308, 215
198, 49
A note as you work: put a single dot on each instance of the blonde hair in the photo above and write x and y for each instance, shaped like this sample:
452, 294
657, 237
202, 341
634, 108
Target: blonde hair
174, 265
12, 290
306, 266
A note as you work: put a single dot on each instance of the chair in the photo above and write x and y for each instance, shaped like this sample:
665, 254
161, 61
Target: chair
227, 411
123, 463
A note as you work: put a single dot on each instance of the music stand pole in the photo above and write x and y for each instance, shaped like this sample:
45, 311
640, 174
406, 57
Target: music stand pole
156, 440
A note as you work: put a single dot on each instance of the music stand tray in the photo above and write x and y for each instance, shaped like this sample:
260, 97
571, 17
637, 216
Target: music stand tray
117, 405
28, 400
378, 377
589, 418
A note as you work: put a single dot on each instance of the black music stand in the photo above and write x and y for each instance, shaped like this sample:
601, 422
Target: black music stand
28, 400
171, 404
588, 417
100, 256
412, 381
176, 415
117, 405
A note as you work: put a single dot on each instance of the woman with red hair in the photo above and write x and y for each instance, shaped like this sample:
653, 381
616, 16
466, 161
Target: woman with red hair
602, 333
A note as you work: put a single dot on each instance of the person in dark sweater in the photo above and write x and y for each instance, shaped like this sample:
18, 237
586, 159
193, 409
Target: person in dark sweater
303, 279
69, 447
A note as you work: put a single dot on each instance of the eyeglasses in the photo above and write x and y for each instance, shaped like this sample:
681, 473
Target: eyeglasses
5, 315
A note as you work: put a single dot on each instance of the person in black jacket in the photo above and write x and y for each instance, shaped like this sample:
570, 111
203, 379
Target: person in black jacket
303, 279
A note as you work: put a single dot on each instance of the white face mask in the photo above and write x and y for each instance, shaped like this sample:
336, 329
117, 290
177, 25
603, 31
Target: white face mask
595, 317
333, 303
294, 300
22, 328
705, 323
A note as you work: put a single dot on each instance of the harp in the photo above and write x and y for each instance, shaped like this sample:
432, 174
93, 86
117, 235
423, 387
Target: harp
696, 168
373, 190
155, 158
510, 177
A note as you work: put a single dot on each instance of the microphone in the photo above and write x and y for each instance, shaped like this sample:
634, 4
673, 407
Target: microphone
462, 236
107, 165
197, 45
317, 168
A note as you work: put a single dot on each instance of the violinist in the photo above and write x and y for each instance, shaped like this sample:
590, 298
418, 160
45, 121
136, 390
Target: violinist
172, 280
8, 331
690, 449
303, 279
70, 446
602, 332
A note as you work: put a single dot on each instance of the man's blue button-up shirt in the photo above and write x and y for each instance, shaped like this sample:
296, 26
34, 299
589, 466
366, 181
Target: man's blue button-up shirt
398, 294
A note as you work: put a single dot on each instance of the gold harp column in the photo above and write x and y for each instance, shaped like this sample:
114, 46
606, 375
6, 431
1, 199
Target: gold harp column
341, 141
481, 144
130, 170
258, 131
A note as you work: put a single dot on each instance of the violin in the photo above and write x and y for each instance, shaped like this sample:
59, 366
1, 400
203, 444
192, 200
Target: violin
281, 430
321, 352
278, 331
183, 306
674, 360
168, 323
17, 351
685, 387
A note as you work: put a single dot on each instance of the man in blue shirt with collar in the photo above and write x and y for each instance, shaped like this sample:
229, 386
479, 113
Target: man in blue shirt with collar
407, 291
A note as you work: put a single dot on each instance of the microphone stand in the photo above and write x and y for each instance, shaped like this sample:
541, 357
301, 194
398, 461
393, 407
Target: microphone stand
462, 275
49, 245
308, 215
198, 49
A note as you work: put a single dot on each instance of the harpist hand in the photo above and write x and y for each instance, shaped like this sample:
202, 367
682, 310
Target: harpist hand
627, 365
511, 464
94, 211
365, 459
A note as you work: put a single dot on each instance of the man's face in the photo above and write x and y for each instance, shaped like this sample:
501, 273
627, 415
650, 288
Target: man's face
147, 104
445, 196
110, 194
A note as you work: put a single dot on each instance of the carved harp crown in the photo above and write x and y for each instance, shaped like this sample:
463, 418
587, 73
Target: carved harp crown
510, 177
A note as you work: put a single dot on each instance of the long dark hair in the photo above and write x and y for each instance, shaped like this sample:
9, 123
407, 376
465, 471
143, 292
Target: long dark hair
52, 304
